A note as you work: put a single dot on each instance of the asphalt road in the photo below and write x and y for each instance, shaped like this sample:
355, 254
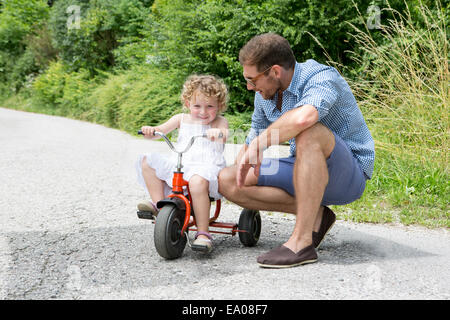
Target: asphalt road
69, 231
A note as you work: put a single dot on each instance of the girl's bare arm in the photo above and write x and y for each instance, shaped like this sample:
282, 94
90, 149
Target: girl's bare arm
167, 127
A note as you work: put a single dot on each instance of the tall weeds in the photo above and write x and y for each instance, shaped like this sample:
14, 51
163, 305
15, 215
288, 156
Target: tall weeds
402, 86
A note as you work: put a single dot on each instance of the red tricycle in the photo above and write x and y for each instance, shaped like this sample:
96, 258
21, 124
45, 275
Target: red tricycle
172, 222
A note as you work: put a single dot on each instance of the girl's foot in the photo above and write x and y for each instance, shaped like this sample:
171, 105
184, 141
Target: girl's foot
202, 242
148, 206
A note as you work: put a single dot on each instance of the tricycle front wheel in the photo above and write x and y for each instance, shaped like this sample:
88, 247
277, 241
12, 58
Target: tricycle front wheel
169, 241
250, 222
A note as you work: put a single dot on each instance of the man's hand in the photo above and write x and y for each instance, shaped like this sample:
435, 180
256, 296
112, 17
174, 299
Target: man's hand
252, 158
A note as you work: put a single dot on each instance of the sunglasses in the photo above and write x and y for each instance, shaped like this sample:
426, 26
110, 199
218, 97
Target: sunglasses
253, 80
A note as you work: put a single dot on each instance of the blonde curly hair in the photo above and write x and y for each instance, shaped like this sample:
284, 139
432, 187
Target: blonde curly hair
208, 85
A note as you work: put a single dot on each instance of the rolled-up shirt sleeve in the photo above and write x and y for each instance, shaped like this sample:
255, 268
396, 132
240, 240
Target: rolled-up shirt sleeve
321, 92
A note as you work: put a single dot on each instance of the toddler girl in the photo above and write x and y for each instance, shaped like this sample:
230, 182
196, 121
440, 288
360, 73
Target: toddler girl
205, 97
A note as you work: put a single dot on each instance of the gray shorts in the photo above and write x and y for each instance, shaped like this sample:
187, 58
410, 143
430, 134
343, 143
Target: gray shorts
346, 179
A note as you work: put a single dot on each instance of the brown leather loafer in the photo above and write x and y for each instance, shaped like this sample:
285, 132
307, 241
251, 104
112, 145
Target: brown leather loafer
328, 220
283, 257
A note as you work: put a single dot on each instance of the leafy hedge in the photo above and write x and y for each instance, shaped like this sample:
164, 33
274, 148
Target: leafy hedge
140, 96
174, 37
103, 26
206, 36
20, 21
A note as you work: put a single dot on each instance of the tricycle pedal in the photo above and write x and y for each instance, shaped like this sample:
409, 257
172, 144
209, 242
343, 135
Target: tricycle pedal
145, 215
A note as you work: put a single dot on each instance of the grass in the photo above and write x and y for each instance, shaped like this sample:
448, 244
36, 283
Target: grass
402, 191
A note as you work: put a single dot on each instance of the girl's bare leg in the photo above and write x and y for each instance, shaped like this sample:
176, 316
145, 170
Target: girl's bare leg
154, 185
199, 189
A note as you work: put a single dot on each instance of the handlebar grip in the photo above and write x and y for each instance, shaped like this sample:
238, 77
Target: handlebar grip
155, 134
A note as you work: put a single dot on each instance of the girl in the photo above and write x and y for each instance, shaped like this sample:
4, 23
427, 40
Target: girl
204, 96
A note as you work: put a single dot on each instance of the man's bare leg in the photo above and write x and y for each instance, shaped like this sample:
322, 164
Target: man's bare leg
314, 146
256, 197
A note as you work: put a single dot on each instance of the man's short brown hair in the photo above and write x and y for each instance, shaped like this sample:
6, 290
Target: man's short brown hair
266, 50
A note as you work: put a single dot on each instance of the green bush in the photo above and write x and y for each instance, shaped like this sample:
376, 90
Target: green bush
206, 36
137, 97
19, 21
106, 99
24, 67
6, 65
62, 92
103, 26
48, 88
40, 44
77, 88
19, 18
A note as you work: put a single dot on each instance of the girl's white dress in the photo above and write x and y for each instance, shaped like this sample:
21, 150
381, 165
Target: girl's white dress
205, 158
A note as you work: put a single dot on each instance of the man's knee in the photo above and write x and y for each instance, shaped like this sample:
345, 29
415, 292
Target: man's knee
227, 181
316, 138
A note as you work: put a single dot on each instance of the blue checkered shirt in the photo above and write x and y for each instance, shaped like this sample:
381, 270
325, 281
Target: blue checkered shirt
324, 88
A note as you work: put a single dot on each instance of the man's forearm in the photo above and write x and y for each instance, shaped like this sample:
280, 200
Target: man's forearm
288, 126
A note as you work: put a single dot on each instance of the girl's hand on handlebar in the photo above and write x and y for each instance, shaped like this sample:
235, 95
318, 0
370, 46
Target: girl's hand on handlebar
216, 134
148, 132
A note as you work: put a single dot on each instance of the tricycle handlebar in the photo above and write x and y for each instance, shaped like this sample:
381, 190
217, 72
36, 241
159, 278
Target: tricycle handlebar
162, 135
180, 153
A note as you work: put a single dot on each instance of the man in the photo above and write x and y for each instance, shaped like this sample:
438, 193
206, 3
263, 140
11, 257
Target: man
332, 150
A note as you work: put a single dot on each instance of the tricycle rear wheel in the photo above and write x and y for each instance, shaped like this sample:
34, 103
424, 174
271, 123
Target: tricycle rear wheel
169, 241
